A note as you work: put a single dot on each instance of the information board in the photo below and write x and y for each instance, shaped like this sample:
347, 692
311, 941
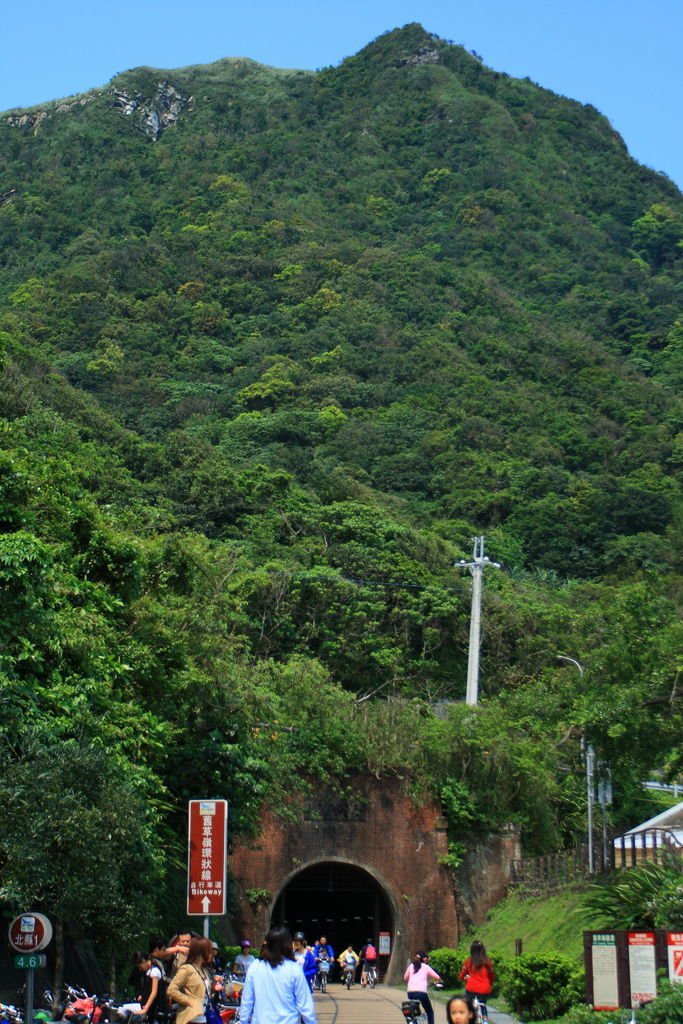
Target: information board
605, 977
384, 948
642, 968
674, 949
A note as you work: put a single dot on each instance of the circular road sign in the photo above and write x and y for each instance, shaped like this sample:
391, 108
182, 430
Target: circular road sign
29, 933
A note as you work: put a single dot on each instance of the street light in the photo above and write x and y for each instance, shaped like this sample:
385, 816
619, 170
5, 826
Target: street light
587, 750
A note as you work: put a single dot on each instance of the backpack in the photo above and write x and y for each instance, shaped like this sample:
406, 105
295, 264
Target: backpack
370, 952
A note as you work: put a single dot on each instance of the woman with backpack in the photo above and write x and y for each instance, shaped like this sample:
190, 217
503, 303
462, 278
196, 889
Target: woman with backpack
368, 955
477, 973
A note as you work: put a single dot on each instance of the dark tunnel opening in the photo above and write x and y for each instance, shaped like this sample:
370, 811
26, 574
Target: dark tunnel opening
340, 901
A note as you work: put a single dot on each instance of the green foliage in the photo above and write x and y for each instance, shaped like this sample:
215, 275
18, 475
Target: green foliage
91, 821
261, 381
667, 1008
587, 1015
553, 922
541, 986
255, 897
448, 964
649, 896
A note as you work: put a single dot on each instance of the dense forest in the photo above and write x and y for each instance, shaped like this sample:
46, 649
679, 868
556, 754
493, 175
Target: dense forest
274, 346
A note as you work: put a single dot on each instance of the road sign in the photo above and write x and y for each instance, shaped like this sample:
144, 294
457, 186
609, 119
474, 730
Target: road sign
26, 961
207, 855
29, 933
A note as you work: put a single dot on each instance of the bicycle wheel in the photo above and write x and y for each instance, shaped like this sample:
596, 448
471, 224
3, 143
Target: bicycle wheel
349, 979
323, 981
372, 978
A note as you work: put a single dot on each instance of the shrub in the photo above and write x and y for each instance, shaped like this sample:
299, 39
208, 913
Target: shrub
541, 986
230, 953
587, 1015
650, 896
667, 1008
448, 963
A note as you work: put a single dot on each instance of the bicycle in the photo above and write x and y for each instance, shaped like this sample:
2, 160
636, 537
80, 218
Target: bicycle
413, 1012
371, 975
349, 971
321, 976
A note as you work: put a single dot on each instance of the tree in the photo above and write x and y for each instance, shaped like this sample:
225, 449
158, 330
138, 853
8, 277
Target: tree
80, 840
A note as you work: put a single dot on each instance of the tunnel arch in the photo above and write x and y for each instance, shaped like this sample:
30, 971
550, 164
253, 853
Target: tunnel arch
341, 899
400, 844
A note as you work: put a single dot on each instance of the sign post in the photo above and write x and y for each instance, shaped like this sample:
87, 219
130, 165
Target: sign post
28, 934
207, 855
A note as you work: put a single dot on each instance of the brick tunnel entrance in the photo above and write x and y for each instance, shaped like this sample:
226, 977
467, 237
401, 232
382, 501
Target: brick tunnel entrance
338, 900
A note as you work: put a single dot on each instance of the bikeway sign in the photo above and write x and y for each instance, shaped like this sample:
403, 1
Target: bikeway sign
207, 855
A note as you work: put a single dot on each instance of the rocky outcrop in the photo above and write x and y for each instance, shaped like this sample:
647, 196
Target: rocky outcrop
425, 55
33, 119
152, 115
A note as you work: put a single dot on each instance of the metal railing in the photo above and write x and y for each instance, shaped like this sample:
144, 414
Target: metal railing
535, 875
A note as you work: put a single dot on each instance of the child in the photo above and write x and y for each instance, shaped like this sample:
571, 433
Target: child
461, 1010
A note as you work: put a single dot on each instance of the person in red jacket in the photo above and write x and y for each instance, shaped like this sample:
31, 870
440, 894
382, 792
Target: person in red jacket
477, 973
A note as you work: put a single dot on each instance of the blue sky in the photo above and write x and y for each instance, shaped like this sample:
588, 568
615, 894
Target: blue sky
623, 56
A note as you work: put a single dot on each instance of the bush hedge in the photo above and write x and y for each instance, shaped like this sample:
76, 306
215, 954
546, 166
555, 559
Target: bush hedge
447, 963
541, 986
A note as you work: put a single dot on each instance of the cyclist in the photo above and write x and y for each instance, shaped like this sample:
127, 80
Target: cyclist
477, 973
417, 977
324, 955
348, 961
369, 957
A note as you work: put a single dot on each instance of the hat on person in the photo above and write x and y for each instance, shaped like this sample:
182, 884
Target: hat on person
214, 945
245, 942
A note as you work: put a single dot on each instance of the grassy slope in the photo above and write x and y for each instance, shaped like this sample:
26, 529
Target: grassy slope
550, 923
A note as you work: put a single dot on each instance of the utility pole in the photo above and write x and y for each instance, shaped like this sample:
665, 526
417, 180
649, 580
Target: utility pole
476, 567
589, 755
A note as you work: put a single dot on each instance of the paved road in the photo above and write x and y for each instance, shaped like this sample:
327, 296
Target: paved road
378, 1006
339, 1005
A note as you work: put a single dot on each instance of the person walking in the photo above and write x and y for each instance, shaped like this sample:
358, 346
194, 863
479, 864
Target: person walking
275, 989
190, 987
477, 973
417, 977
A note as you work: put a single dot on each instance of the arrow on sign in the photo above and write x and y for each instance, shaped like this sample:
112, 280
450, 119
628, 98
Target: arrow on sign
206, 903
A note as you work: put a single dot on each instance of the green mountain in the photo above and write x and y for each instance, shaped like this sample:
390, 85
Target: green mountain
275, 345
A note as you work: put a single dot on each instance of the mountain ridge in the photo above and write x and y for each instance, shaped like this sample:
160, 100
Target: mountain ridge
264, 377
